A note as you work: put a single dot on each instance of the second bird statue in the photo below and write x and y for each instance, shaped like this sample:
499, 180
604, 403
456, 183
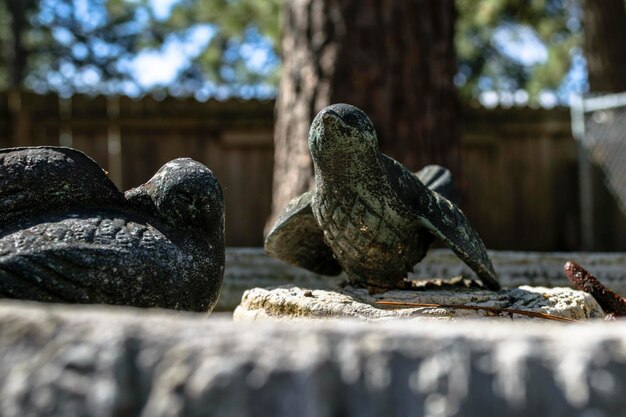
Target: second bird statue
368, 214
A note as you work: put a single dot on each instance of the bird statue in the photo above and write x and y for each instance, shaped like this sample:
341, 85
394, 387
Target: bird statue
68, 235
368, 215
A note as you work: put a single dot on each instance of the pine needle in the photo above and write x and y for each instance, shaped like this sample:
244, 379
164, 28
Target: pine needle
498, 310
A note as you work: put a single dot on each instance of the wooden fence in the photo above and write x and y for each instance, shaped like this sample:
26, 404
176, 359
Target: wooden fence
519, 183
133, 138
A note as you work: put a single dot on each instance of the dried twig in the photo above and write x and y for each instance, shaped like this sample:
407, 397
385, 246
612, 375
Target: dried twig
611, 302
497, 310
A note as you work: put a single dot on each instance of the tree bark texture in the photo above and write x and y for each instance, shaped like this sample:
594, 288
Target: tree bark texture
394, 59
605, 45
17, 54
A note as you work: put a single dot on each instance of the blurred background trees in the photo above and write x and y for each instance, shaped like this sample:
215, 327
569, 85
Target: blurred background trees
520, 50
508, 51
405, 62
212, 48
71, 46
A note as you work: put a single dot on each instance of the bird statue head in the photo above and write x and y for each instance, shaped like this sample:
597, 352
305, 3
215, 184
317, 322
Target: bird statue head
342, 135
183, 193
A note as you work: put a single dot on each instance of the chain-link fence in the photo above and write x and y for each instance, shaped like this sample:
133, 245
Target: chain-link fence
599, 126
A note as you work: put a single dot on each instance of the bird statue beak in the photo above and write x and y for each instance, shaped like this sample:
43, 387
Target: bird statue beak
330, 116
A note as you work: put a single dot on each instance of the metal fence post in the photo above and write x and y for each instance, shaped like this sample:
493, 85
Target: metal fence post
584, 174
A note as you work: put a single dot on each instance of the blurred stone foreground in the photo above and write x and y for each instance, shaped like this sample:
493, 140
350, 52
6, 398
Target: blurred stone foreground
102, 361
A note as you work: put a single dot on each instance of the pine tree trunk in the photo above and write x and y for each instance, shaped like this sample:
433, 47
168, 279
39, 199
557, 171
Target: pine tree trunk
17, 59
605, 45
394, 59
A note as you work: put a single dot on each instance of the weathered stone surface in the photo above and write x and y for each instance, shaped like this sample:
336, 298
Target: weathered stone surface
250, 267
531, 268
298, 303
82, 361
368, 214
68, 235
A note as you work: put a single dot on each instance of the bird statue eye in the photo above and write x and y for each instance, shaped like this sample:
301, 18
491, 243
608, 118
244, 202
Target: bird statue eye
352, 120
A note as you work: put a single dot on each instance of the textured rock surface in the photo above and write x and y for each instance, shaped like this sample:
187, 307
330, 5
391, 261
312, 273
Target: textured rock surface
250, 267
348, 302
83, 362
68, 235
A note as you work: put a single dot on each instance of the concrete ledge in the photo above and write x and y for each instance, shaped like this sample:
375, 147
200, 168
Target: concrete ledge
250, 267
59, 360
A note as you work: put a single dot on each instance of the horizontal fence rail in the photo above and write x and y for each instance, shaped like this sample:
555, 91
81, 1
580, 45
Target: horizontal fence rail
519, 178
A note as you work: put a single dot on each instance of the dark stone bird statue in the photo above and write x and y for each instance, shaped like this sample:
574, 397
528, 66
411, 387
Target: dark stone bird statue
68, 235
368, 215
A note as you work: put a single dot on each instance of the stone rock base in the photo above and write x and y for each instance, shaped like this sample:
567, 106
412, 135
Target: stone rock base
292, 302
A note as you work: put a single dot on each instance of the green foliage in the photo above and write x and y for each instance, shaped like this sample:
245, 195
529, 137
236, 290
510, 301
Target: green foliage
486, 65
238, 24
86, 45
78, 45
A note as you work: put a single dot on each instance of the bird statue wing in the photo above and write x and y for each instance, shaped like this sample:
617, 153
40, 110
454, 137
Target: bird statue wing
297, 239
440, 216
89, 259
439, 179
58, 273
92, 274
40, 180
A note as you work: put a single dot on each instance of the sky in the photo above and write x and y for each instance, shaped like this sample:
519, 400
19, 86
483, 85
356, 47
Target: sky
162, 8
521, 43
159, 67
